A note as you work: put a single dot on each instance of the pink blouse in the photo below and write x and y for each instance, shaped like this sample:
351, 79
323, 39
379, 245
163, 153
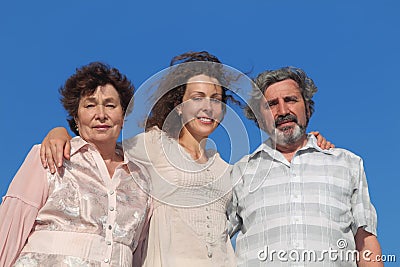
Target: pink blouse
78, 216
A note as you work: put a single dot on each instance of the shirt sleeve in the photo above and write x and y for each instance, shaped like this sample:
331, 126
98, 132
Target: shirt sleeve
234, 220
26, 194
364, 212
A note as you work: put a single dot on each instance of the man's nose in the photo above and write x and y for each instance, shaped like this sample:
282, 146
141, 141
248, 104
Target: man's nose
282, 108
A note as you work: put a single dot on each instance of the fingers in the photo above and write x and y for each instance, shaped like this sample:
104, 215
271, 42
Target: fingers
321, 141
67, 150
330, 145
43, 156
51, 154
57, 154
49, 159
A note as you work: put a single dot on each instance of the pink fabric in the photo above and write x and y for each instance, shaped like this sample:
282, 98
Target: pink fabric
26, 194
101, 216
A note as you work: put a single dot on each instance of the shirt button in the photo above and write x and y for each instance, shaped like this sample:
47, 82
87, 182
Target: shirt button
111, 208
111, 192
209, 254
108, 243
208, 217
208, 226
106, 260
110, 227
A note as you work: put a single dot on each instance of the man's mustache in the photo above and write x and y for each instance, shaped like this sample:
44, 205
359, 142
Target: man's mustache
286, 118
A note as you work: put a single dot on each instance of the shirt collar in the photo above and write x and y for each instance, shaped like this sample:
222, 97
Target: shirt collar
267, 147
77, 143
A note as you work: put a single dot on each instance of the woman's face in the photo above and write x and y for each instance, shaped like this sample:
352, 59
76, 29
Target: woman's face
100, 116
201, 108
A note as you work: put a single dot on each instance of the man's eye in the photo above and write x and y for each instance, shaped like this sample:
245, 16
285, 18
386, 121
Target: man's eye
89, 106
110, 106
215, 100
197, 98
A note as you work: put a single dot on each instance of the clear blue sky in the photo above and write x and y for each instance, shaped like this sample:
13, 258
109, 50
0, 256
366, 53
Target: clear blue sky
349, 48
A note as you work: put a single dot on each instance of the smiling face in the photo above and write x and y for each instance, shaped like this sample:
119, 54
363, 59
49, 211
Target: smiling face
284, 112
100, 116
202, 107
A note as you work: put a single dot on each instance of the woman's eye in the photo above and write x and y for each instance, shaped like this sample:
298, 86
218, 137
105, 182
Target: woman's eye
110, 106
215, 100
197, 98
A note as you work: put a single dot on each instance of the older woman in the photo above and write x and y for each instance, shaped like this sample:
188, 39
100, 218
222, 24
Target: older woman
92, 212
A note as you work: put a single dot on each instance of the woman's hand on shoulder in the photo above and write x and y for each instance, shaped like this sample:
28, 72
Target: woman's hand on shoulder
321, 141
55, 146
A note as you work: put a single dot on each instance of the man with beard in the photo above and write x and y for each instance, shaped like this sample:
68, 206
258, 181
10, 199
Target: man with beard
294, 203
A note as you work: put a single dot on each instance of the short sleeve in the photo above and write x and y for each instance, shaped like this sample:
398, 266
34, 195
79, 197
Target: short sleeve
235, 222
26, 194
364, 212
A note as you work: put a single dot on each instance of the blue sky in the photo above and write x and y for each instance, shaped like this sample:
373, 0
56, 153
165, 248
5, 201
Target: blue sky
349, 48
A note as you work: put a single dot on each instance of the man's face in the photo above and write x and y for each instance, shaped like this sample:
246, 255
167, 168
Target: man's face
284, 112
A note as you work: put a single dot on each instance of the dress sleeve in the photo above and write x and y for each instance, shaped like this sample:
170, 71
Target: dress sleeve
141, 250
364, 212
145, 147
26, 194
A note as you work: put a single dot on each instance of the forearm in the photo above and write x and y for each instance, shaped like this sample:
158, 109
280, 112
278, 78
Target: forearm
369, 249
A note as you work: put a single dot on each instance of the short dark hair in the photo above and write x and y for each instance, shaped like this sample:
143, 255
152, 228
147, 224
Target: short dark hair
84, 83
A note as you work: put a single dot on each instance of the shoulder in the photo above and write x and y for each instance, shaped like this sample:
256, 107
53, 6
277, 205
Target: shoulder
218, 160
344, 154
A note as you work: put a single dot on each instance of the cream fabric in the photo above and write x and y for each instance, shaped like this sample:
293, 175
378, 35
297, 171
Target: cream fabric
189, 224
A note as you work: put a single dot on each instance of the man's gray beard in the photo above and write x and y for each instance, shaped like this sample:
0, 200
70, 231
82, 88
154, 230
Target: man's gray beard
288, 135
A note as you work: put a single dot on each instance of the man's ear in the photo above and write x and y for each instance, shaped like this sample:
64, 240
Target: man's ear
308, 112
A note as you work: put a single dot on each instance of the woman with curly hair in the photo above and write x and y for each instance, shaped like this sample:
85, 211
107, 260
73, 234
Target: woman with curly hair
91, 212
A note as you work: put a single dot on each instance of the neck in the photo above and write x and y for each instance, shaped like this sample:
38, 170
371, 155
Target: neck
195, 146
110, 157
107, 151
288, 150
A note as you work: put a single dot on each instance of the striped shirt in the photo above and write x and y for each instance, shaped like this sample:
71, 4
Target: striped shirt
299, 213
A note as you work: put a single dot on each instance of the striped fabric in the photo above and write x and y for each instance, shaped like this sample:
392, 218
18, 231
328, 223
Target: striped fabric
299, 213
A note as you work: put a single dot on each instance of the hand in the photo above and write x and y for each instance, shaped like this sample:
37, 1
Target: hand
321, 141
54, 146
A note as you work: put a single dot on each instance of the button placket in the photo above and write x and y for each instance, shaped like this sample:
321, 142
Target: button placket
111, 216
209, 235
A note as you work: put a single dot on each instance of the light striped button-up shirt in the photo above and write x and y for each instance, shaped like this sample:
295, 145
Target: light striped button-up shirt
299, 213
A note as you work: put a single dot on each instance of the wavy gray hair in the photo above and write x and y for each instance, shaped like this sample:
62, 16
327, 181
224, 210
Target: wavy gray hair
269, 77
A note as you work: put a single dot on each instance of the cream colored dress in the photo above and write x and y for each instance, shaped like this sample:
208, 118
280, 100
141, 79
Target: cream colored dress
189, 224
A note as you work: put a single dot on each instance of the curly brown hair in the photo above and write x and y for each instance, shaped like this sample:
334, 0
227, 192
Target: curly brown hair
173, 86
85, 82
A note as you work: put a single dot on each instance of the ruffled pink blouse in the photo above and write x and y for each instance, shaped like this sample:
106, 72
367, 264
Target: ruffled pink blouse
79, 216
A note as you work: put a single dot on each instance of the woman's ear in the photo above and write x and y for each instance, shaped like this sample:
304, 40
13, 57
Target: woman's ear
179, 110
76, 124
